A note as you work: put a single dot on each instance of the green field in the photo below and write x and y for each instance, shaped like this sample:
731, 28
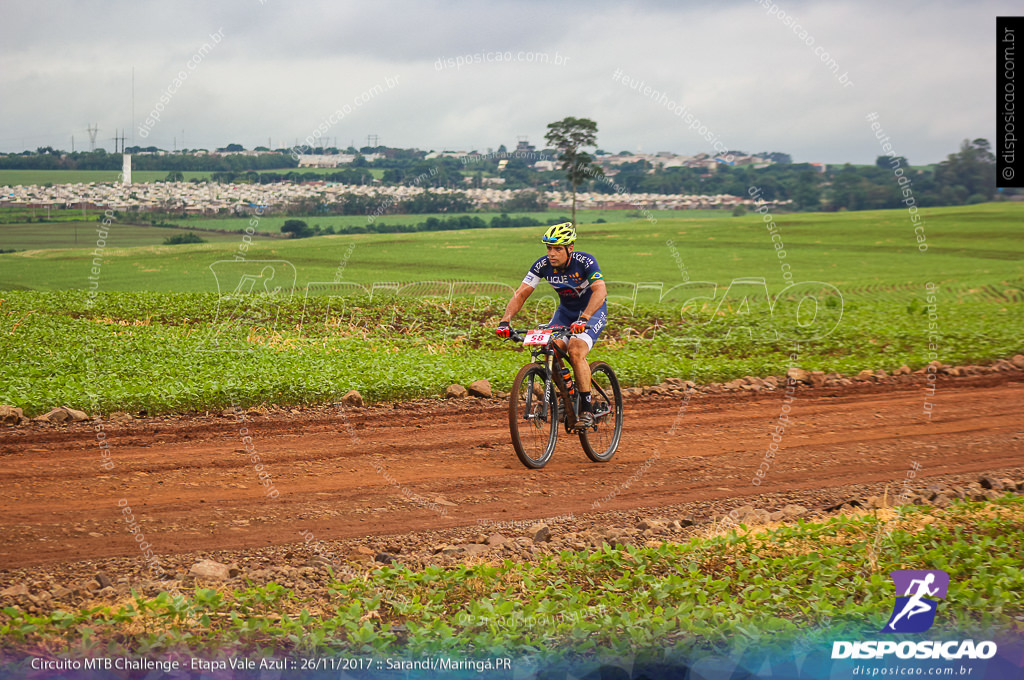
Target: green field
163, 340
859, 251
16, 177
65, 229
77, 235
757, 594
272, 223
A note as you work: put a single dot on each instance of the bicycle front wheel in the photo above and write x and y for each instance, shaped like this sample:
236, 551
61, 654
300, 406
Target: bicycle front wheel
531, 418
602, 440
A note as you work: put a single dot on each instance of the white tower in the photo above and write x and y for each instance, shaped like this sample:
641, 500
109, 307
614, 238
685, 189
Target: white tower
126, 169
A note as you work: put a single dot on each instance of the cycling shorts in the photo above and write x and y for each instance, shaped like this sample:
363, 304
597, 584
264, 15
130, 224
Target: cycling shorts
564, 317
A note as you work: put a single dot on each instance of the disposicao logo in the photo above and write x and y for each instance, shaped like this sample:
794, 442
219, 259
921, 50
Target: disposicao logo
913, 612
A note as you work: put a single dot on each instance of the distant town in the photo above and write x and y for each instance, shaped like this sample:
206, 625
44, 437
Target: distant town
379, 180
482, 183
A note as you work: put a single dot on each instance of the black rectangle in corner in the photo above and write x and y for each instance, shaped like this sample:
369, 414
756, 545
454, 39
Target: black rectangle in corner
1008, 150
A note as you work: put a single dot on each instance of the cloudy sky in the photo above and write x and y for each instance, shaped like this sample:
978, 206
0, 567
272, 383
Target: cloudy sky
754, 75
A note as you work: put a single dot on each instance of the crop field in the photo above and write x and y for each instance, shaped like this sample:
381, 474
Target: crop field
186, 353
874, 252
789, 588
77, 235
22, 230
14, 177
166, 330
272, 223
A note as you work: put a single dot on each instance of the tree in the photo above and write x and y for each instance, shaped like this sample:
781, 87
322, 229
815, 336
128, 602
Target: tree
776, 157
526, 201
569, 136
967, 175
891, 163
187, 237
296, 229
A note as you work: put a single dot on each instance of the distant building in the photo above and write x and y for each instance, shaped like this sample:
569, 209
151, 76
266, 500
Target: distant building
524, 146
325, 160
446, 154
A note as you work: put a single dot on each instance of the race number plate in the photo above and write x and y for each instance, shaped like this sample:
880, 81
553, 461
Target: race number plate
537, 337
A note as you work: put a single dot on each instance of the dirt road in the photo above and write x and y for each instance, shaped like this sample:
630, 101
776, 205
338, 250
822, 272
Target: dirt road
191, 484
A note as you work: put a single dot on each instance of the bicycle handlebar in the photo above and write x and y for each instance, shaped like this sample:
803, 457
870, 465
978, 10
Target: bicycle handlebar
558, 332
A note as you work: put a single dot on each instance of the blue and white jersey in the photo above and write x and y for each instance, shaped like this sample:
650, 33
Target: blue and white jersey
573, 284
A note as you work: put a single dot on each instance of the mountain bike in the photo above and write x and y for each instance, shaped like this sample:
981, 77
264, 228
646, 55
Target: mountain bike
540, 400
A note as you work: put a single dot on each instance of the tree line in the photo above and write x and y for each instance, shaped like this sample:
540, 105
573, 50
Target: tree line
300, 229
966, 176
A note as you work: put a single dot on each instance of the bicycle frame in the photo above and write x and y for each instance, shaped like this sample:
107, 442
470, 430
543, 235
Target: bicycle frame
534, 410
551, 357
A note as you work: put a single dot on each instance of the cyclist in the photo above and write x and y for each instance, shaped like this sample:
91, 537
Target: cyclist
578, 281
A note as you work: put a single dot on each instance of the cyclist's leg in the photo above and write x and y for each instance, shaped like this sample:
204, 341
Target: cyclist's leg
562, 317
579, 346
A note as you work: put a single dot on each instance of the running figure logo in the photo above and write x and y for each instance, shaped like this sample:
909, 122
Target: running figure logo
912, 613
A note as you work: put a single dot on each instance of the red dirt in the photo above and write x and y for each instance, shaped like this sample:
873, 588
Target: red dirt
191, 486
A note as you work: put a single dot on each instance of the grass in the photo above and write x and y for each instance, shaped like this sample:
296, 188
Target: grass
860, 251
175, 352
77, 235
790, 587
587, 217
16, 177
178, 352
21, 230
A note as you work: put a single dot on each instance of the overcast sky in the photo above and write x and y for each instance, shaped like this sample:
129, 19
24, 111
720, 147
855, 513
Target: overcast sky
282, 68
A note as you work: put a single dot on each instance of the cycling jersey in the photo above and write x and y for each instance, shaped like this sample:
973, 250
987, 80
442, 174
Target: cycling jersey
573, 284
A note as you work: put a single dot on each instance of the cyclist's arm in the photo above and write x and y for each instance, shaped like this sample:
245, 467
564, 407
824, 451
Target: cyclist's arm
517, 301
597, 298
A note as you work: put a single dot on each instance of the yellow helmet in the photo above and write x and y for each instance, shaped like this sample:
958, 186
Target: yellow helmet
563, 234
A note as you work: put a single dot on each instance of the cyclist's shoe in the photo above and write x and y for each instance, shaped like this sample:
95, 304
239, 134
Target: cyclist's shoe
585, 421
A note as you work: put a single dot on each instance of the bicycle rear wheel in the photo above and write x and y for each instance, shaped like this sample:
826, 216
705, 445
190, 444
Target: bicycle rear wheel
533, 425
602, 440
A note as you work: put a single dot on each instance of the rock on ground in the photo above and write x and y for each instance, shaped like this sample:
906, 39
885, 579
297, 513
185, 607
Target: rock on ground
455, 391
480, 388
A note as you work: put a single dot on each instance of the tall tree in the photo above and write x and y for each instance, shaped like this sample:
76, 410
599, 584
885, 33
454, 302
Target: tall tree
570, 135
968, 176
